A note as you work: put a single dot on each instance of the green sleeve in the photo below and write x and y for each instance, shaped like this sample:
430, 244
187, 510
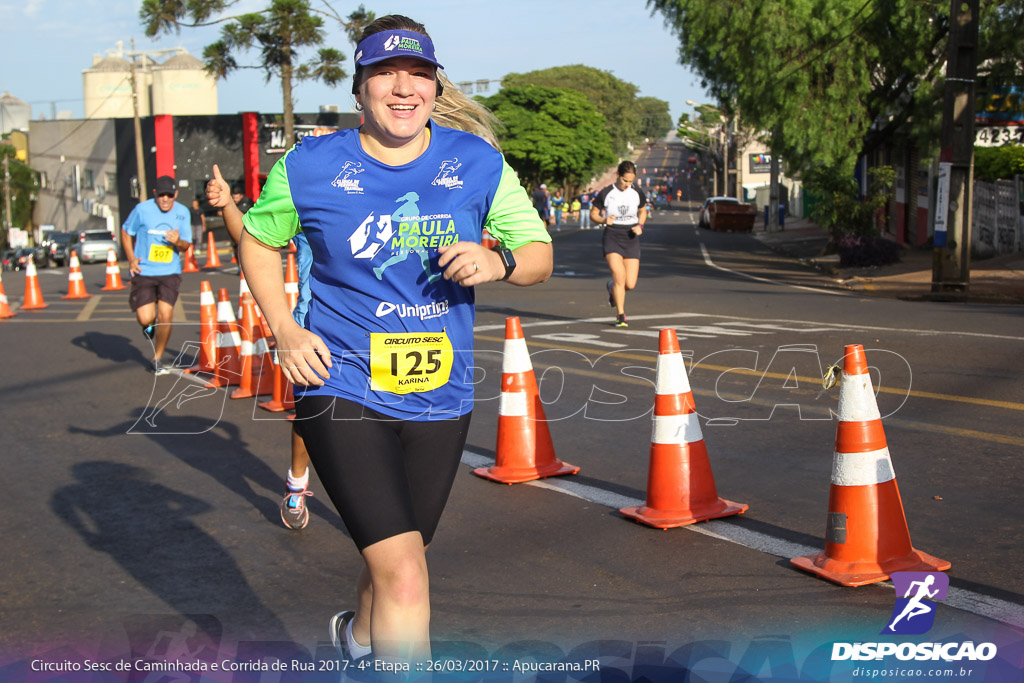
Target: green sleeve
512, 219
273, 220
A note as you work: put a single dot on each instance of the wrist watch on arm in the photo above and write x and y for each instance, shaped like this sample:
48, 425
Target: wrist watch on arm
507, 260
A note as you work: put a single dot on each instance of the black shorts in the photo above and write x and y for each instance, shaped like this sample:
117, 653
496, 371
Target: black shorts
150, 289
621, 241
385, 476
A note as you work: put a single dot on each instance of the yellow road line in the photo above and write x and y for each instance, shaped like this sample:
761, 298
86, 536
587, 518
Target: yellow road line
179, 312
991, 403
89, 307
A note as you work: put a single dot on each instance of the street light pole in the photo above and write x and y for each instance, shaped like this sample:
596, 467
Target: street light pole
140, 158
773, 182
951, 264
7, 196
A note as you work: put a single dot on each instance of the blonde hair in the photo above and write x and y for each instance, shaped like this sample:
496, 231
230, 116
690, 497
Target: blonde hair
455, 109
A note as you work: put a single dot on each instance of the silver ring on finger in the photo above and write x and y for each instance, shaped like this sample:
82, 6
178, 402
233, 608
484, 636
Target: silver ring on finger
476, 266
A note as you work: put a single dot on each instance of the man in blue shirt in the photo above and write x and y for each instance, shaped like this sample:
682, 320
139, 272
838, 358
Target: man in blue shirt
151, 237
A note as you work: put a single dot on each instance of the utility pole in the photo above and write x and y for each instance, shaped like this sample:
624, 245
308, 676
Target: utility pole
773, 181
951, 262
140, 158
7, 199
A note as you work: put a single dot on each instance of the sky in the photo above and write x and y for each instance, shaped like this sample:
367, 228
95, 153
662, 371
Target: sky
474, 39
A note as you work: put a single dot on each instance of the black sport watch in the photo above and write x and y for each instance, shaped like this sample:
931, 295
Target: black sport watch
509, 261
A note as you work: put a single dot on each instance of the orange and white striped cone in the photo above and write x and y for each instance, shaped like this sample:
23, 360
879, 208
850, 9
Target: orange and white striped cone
207, 361
114, 282
190, 265
229, 344
5, 307
680, 485
291, 281
33, 294
212, 258
76, 284
487, 241
257, 377
283, 397
524, 449
243, 291
866, 537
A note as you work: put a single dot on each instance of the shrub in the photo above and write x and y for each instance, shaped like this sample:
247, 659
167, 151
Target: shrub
857, 251
995, 163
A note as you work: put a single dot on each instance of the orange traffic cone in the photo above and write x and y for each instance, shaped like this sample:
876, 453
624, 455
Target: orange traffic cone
866, 538
487, 241
5, 307
207, 360
229, 344
76, 285
190, 265
257, 370
291, 281
283, 397
33, 295
680, 486
524, 451
113, 273
212, 259
243, 291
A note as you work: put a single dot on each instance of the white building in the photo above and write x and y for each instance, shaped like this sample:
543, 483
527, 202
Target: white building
178, 86
14, 114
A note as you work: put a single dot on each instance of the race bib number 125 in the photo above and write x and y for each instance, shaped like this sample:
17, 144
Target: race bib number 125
408, 362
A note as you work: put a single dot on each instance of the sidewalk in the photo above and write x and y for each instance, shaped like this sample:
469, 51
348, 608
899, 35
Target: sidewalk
995, 280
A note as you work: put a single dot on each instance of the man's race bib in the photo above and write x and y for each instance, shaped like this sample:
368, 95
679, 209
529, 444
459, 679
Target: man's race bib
160, 253
408, 362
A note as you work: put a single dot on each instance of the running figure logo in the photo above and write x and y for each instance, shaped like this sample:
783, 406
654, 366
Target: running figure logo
914, 612
344, 179
407, 209
444, 175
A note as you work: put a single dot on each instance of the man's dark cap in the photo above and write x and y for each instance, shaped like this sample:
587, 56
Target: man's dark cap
165, 185
238, 188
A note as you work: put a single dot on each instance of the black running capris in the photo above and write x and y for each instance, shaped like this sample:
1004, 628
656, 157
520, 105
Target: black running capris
385, 476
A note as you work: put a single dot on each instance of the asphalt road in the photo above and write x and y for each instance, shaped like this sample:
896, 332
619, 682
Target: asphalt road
142, 514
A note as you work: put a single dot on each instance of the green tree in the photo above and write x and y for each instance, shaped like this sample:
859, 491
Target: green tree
655, 121
551, 134
615, 99
279, 33
24, 187
835, 79
994, 163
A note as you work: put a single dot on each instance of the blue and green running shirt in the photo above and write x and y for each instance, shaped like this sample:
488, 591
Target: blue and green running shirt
377, 291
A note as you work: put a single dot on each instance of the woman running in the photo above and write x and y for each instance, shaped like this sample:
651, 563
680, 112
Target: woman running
382, 367
625, 211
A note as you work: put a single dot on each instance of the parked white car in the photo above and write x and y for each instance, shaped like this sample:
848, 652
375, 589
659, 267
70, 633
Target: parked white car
93, 245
